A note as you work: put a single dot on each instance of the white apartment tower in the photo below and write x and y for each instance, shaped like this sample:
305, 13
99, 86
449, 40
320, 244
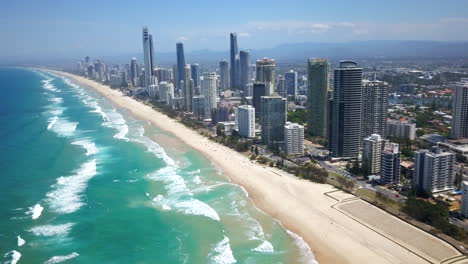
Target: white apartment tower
372, 148
209, 89
294, 139
246, 121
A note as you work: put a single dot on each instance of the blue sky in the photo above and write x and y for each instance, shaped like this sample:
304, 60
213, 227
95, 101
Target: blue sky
61, 28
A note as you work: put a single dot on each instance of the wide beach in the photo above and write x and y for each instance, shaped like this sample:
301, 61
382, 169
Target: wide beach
301, 206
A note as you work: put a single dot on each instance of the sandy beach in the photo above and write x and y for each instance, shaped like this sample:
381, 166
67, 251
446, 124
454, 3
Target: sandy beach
301, 206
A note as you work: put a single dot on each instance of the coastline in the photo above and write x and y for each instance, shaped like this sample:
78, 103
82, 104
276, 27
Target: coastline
299, 205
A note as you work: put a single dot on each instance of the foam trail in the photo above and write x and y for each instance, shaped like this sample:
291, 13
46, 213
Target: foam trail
51, 230
306, 253
62, 126
222, 253
58, 259
20, 241
66, 196
88, 145
14, 257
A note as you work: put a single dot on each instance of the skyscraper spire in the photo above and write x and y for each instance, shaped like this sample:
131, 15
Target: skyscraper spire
148, 56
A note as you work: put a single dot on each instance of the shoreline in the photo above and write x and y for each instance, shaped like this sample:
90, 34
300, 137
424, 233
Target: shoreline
298, 205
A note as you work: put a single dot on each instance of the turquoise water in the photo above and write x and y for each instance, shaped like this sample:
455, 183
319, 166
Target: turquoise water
84, 182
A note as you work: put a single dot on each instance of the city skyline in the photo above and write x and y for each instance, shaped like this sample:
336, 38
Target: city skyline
257, 26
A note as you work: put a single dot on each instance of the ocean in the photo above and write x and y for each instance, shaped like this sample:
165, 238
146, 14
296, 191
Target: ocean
84, 182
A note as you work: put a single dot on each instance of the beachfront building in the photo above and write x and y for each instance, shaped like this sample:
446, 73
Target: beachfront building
390, 165
374, 108
195, 72
246, 121
460, 110
166, 92
134, 72
346, 125
273, 120
294, 139
259, 90
189, 90
401, 129
233, 57
220, 114
371, 151
317, 97
198, 106
209, 90
433, 170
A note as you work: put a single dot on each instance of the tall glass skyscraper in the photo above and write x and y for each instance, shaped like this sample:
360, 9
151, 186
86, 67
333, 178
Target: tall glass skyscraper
133, 72
196, 75
244, 70
317, 97
148, 56
374, 108
273, 120
290, 79
180, 65
233, 55
265, 72
347, 110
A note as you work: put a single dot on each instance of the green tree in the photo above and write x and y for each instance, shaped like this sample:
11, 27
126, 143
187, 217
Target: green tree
220, 130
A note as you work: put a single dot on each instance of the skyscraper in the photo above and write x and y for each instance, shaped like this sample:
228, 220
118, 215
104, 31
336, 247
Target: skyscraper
188, 88
290, 79
198, 105
180, 65
401, 129
433, 170
259, 90
209, 90
374, 108
273, 120
148, 56
371, 152
317, 97
464, 206
134, 72
246, 121
233, 55
265, 72
294, 139
196, 75
281, 86
390, 164
460, 110
244, 70
347, 110
224, 75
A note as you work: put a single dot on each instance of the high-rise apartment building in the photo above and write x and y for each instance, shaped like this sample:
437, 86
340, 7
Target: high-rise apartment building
198, 106
290, 79
246, 121
181, 73
195, 68
390, 164
294, 139
433, 170
148, 56
244, 61
460, 110
317, 97
188, 88
259, 90
209, 90
273, 119
134, 72
371, 152
374, 108
233, 55
224, 80
265, 72
464, 206
401, 129
347, 111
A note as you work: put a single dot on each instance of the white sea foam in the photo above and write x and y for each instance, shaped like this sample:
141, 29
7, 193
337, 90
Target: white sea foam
265, 246
196, 180
35, 211
222, 253
20, 241
66, 196
62, 126
197, 207
46, 84
58, 259
116, 121
14, 256
88, 145
52, 230
306, 253
55, 99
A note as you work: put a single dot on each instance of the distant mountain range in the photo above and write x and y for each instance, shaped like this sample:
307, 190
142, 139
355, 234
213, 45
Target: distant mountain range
291, 53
